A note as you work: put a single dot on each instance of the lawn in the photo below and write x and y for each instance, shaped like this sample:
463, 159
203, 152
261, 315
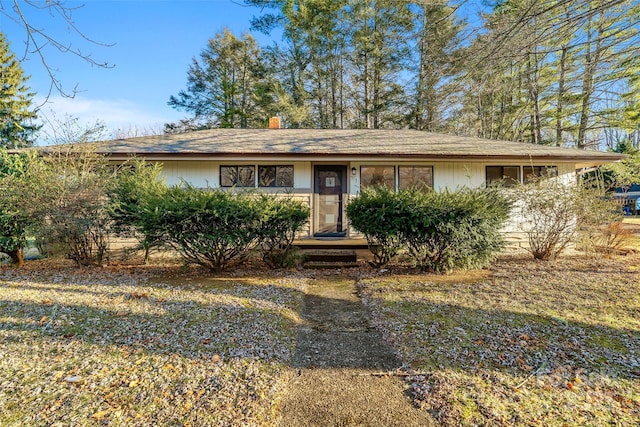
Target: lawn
524, 343
119, 347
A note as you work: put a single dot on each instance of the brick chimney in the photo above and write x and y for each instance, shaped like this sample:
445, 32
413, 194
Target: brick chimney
274, 122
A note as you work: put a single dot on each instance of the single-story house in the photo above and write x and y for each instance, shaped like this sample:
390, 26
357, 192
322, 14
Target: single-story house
327, 167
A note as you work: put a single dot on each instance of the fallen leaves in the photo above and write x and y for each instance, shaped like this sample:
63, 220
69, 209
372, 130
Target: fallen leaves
545, 344
109, 347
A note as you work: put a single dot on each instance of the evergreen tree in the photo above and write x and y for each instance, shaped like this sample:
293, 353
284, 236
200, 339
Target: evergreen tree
16, 111
228, 87
437, 55
379, 55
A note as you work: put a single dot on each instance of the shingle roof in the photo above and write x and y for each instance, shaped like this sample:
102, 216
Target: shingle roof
327, 143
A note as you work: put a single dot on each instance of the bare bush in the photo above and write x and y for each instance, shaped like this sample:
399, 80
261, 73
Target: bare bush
552, 211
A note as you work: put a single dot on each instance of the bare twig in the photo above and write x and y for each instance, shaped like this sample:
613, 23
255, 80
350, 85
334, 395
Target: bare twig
38, 39
534, 373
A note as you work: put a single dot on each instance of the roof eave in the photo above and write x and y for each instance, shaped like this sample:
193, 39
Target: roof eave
581, 160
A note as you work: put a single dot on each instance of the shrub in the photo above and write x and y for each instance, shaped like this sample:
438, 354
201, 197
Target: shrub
599, 221
74, 207
282, 218
136, 186
207, 227
450, 230
441, 230
14, 217
375, 213
556, 212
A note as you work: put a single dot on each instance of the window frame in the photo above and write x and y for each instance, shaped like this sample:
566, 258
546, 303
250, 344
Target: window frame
237, 183
523, 177
398, 179
511, 182
538, 172
277, 181
395, 177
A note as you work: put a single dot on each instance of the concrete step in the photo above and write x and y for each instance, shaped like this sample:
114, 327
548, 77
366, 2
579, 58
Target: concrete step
329, 255
322, 265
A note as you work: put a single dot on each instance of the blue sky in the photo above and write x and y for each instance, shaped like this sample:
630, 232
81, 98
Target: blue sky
153, 42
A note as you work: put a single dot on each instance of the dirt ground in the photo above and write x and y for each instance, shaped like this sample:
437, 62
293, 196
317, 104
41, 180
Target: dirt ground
337, 366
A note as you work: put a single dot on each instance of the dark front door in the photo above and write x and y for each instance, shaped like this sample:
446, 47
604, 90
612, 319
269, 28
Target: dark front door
329, 190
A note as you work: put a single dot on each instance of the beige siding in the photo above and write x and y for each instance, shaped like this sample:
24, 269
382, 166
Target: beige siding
201, 174
457, 175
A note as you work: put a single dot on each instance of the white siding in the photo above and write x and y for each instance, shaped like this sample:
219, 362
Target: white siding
446, 175
457, 175
206, 173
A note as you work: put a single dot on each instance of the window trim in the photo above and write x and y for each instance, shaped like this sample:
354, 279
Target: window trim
293, 176
399, 166
395, 174
236, 185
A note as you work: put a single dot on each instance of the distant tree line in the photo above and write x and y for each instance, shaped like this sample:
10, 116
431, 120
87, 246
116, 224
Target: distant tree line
539, 71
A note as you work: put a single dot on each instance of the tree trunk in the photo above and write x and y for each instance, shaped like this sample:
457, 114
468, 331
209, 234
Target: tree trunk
590, 66
17, 257
560, 99
534, 95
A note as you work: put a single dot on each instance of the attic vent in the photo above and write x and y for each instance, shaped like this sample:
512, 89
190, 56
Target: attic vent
274, 123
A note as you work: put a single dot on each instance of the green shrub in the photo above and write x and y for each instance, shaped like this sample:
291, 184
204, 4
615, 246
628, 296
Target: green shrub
442, 231
18, 202
375, 213
282, 218
211, 228
137, 188
451, 230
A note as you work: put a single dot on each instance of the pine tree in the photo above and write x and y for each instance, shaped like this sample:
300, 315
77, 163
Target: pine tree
379, 55
16, 111
437, 56
228, 86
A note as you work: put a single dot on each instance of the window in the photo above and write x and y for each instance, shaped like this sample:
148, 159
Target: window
533, 172
275, 176
507, 176
419, 177
378, 175
237, 176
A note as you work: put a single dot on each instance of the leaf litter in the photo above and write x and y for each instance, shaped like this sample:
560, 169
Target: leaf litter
119, 347
533, 343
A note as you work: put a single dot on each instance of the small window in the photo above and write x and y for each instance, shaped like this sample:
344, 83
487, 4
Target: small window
237, 176
275, 176
507, 176
531, 173
383, 176
419, 177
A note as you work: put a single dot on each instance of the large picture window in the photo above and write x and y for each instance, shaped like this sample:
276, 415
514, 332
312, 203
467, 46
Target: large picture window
275, 176
237, 176
418, 177
383, 176
508, 176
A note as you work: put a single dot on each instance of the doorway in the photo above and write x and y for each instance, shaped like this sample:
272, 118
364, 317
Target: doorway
330, 187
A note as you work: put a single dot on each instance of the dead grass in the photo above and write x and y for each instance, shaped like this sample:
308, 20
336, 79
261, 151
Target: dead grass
524, 343
527, 343
115, 347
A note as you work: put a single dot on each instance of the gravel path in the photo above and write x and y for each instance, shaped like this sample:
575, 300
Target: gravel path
337, 353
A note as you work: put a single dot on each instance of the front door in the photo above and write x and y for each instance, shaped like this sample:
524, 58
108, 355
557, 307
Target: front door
329, 190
